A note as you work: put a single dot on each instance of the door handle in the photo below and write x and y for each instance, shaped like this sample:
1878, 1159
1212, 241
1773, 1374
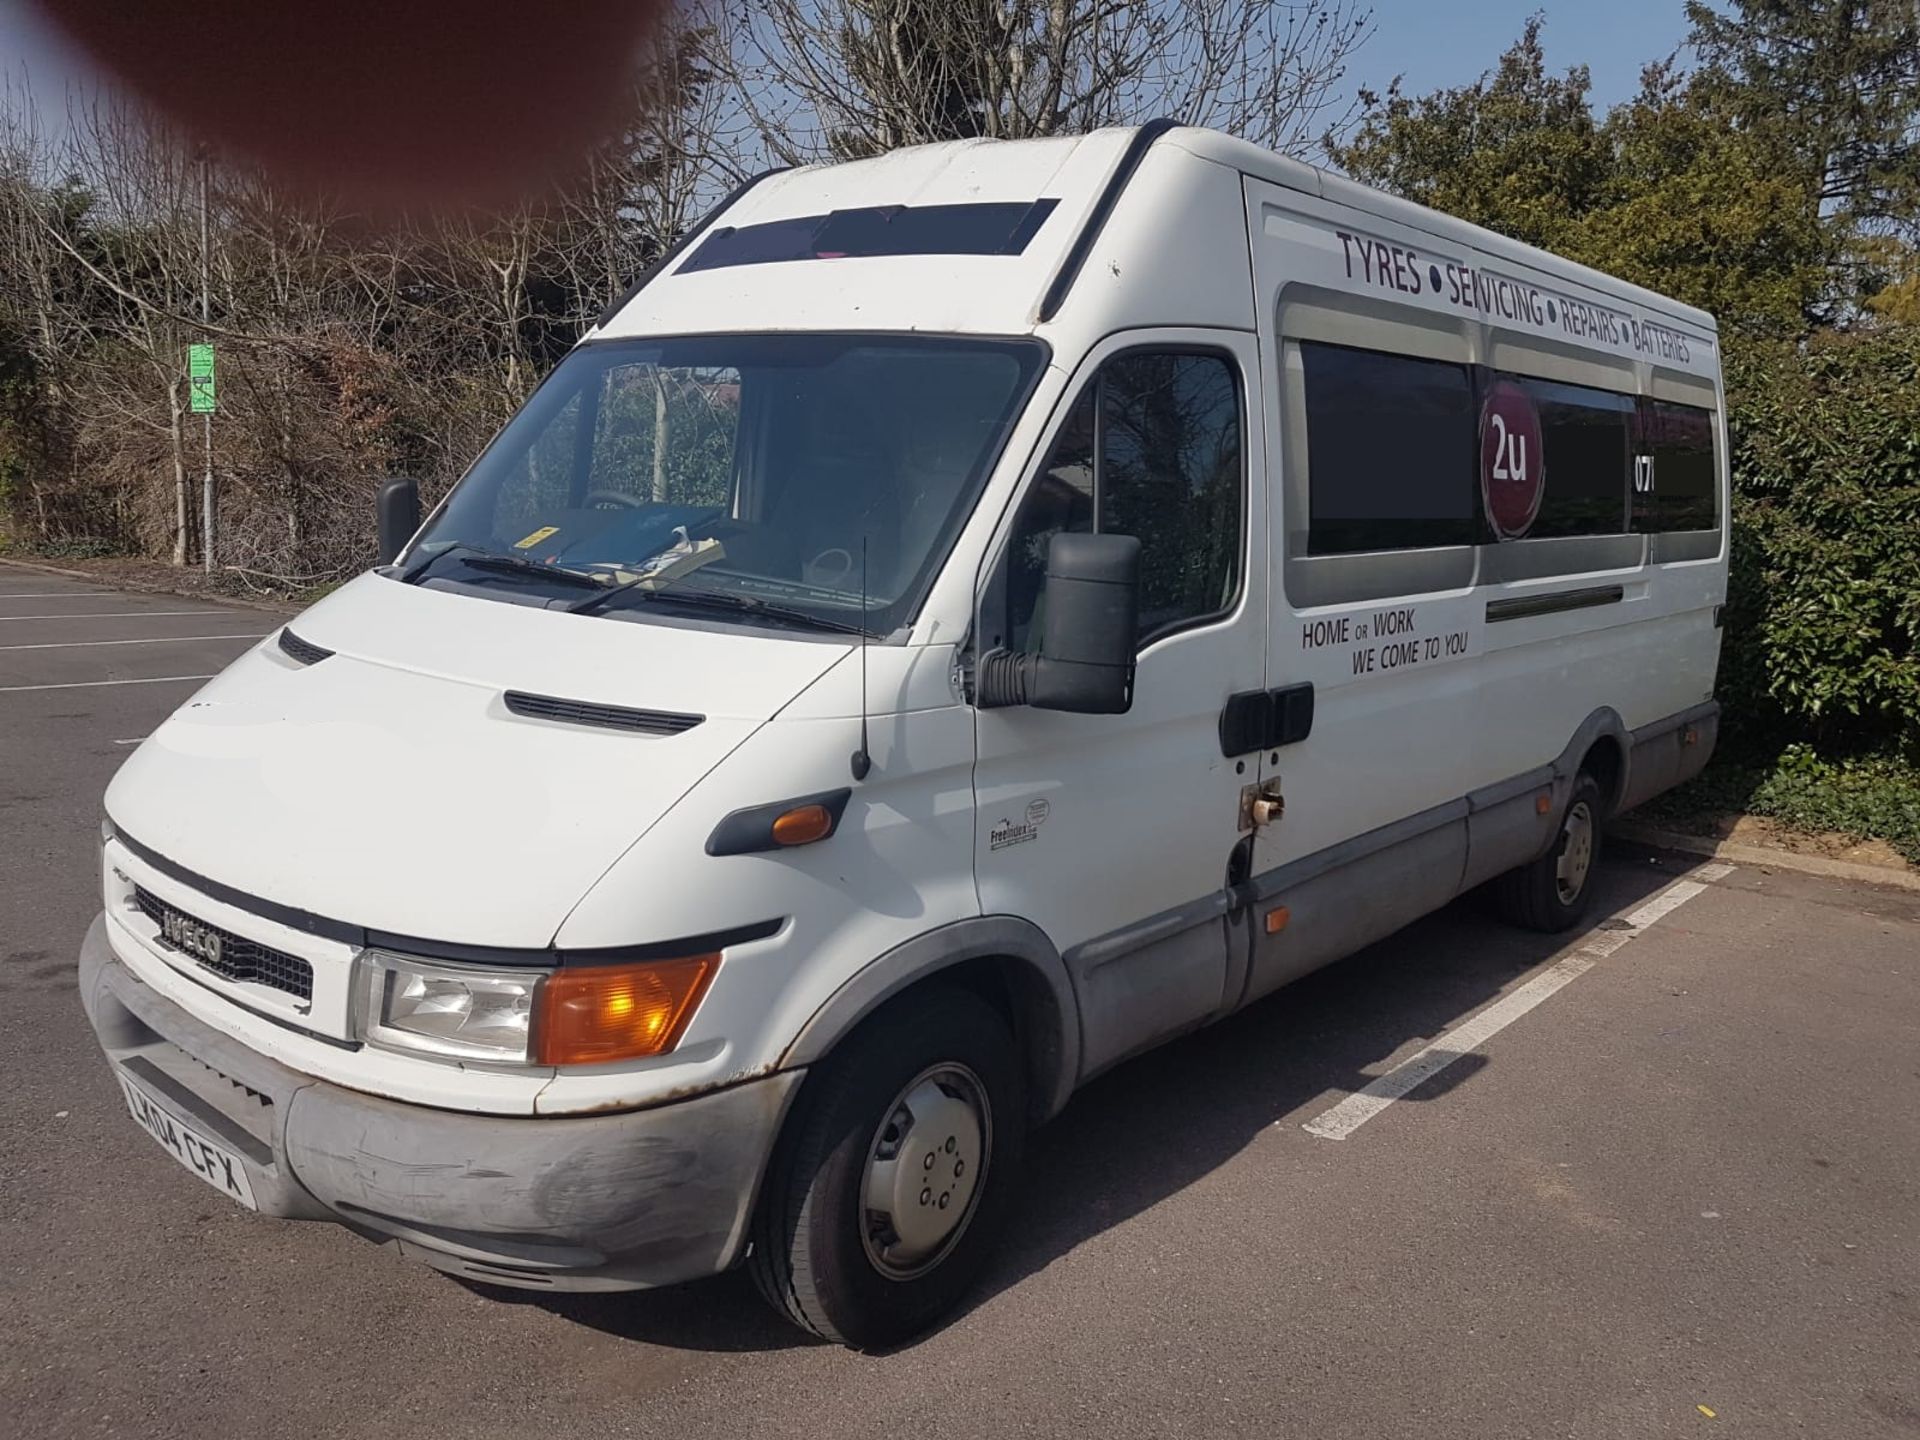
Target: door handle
1265, 719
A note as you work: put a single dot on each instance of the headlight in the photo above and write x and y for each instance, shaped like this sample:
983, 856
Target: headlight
574, 1015
471, 1014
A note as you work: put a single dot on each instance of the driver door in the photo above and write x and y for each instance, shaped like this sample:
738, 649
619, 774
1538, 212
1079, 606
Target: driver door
1116, 834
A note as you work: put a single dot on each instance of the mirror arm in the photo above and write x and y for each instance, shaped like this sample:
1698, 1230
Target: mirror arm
1002, 678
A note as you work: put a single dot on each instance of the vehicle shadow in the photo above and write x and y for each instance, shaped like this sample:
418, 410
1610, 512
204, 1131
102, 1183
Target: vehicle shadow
1164, 1121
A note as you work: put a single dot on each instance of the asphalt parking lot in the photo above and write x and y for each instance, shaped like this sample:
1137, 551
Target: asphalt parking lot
1671, 1186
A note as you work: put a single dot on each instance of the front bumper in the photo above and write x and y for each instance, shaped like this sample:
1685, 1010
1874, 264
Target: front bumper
604, 1202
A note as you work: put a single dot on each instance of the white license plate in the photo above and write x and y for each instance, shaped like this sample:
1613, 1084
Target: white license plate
212, 1162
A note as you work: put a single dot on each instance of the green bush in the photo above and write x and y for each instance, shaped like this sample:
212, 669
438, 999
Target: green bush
1874, 796
72, 547
1823, 634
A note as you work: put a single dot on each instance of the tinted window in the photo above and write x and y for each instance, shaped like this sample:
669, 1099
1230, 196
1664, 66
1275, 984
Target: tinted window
1391, 451
996, 228
1170, 473
1583, 439
1152, 448
1674, 483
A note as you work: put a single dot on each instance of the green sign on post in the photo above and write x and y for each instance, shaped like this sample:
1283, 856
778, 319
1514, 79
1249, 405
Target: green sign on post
200, 379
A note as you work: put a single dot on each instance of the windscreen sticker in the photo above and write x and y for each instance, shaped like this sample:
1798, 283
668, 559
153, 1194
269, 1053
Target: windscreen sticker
536, 537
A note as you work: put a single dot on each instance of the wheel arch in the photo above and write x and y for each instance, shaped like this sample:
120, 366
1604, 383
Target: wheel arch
1602, 747
1009, 961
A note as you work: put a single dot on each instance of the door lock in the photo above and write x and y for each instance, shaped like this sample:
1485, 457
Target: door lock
1261, 804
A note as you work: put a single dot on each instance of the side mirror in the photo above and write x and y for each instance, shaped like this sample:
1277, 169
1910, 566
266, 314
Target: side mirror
1085, 664
399, 510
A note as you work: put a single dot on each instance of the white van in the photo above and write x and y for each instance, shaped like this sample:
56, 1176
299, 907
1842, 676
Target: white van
968, 616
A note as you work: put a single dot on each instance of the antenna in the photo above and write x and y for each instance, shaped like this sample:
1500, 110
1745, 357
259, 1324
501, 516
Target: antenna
863, 757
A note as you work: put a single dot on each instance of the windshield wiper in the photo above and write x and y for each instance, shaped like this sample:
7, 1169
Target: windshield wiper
716, 600
481, 558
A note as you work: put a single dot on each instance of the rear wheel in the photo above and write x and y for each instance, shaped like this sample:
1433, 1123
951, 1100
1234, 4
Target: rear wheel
893, 1175
1554, 892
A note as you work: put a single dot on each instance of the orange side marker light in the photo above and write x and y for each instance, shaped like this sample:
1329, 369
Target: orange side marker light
803, 825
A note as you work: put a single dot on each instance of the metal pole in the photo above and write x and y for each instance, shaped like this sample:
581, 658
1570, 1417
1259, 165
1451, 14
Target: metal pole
206, 285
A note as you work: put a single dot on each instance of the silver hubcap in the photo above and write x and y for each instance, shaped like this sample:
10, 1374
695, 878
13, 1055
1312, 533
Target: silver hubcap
924, 1168
1576, 853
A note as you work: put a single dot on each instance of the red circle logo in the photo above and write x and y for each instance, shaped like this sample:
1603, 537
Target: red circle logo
1513, 462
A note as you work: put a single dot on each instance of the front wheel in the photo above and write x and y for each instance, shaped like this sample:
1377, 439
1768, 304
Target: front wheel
1554, 892
894, 1173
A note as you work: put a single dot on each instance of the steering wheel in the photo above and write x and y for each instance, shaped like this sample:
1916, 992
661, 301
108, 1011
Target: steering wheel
610, 500
831, 568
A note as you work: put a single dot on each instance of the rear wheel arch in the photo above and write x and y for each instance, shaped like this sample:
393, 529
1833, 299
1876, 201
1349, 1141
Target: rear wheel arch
1606, 762
1007, 961
1602, 748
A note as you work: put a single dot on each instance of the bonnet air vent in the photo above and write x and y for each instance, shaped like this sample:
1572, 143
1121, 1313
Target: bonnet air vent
608, 717
305, 651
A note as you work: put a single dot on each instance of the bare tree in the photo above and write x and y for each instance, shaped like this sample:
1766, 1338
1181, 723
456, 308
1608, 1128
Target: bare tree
122, 258
856, 77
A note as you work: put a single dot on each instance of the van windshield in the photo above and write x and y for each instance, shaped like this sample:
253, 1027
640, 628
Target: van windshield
755, 467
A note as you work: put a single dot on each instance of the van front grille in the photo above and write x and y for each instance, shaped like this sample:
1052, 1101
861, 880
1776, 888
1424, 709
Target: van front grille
231, 957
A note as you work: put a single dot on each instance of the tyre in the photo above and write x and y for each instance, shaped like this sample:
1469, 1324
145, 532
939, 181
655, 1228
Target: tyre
1554, 892
893, 1175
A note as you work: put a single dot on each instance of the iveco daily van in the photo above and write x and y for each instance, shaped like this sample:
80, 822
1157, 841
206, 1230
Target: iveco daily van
968, 616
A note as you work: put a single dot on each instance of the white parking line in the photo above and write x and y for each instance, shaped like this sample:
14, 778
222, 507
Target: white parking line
91, 684
110, 615
156, 640
50, 594
1351, 1113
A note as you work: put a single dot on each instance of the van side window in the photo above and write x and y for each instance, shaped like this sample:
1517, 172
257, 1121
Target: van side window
1584, 439
1392, 455
1151, 448
1673, 480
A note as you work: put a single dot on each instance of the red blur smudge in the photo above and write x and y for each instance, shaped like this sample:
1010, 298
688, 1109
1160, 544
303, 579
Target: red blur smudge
397, 102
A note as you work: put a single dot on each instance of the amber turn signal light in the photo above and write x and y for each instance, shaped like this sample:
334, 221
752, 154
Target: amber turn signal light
592, 1014
803, 825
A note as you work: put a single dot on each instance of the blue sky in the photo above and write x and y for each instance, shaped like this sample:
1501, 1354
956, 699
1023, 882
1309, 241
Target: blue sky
1436, 44
1432, 43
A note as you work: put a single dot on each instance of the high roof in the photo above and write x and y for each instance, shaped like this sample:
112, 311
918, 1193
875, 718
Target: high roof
1251, 159
968, 293
1170, 276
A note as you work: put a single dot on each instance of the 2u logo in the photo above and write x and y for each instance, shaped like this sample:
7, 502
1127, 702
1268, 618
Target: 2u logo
1513, 459
1509, 451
